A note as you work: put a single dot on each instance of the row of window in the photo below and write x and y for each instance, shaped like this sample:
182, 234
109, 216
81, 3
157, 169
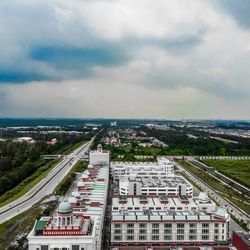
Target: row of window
169, 225
166, 237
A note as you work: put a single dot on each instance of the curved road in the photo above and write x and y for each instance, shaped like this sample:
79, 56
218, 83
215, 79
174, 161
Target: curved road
45, 187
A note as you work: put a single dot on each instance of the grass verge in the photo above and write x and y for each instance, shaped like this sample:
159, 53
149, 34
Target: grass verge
65, 184
226, 191
27, 184
17, 228
74, 147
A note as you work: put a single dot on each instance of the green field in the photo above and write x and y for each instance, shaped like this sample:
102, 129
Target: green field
225, 190
238, 170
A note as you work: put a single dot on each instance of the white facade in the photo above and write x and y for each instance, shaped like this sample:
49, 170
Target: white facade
162, 227
155, 186
162, 167
99, 157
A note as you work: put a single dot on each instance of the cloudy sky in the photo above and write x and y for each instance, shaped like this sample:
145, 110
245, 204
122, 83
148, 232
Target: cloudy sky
125, 58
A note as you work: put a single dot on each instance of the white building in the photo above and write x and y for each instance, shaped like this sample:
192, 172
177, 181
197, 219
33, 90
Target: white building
162, 203
156, 185
99, 157
169, 228
156, 209
162, 167
78, 222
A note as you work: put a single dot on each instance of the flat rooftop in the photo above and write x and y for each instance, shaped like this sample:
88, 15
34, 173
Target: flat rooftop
158, 181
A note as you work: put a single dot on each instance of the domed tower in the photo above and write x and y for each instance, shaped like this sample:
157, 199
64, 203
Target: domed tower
99, 147
65, 214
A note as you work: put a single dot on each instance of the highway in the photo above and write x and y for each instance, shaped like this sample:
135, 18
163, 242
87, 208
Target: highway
217, 197
45, 187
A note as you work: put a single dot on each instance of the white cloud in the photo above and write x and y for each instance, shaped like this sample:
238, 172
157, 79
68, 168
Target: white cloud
161, 76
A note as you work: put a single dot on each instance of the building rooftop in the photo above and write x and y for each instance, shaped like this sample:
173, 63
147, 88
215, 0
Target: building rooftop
157, 181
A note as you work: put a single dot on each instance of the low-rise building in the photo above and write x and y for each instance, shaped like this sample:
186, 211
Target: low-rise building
99, 157
162, 167
156, 185
170, 228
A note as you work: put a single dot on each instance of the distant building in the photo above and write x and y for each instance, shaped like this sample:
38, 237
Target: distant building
52, 142
28, 140
241, 240
99, 157
113, 124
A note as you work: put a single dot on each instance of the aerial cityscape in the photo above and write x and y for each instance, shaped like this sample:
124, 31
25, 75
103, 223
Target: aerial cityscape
124, 125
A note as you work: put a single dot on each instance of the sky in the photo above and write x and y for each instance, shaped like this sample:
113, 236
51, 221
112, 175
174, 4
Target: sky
181, 59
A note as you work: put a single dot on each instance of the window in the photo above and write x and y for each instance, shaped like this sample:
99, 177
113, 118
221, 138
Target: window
155, 225
216, 231
216, 225
118, 237
130, 225
142, 237
168, 231
143, 225
180, 225
180, 231
192, 237
142, 231
167, 225
216, 237
205, 231
155, 231
155, 237
205, 225
118, 231
75, 247
117, 225
192, 231
205, 237
130, 237
167, 237
180, 237
192, 225
130, 231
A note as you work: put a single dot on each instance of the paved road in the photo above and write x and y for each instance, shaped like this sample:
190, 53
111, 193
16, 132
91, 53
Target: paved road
223, 202
45, 187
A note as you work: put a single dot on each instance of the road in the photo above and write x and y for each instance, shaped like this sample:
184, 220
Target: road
215, 196
45, 187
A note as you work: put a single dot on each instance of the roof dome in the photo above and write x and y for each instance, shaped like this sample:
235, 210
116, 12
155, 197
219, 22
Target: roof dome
65, 206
